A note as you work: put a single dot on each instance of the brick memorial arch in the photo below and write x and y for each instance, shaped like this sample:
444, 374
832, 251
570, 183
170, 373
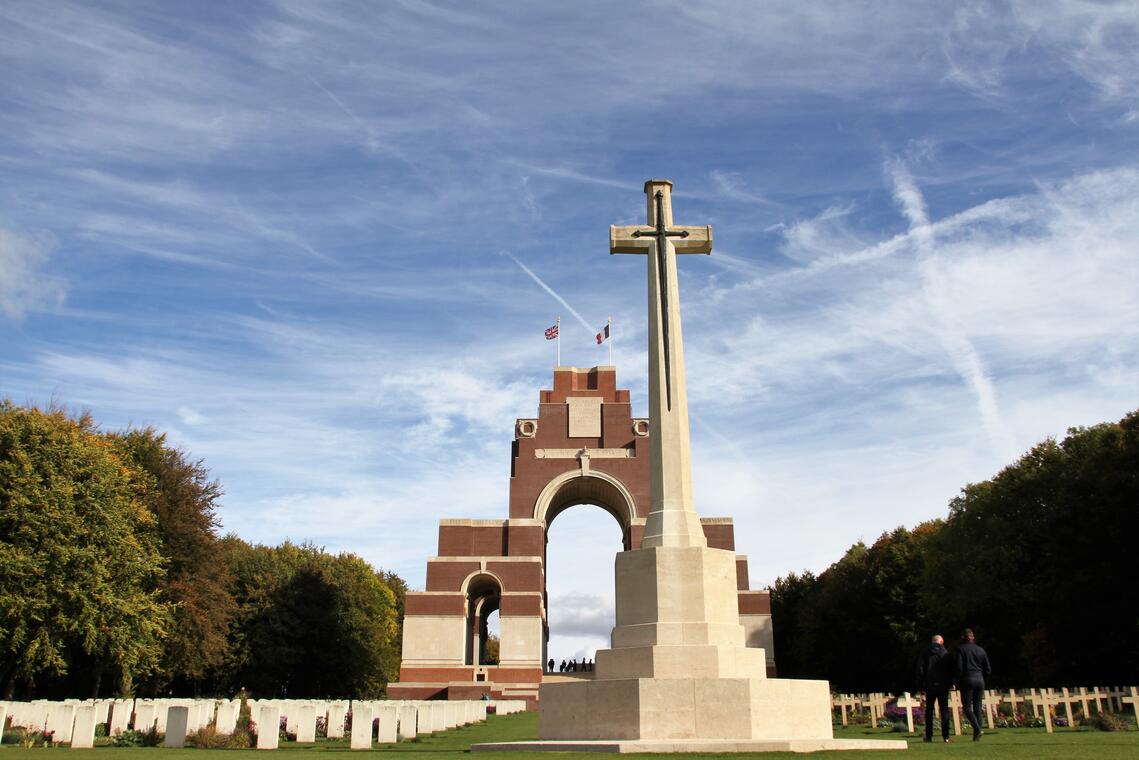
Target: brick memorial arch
584, 447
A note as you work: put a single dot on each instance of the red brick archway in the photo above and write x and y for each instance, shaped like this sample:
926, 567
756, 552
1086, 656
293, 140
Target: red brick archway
584, 447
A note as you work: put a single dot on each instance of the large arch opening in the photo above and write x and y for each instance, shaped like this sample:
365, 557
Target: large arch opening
595, 488
581, 544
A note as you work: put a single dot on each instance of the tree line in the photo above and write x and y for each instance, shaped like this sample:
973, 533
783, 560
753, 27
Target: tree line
1040, 561
114, 580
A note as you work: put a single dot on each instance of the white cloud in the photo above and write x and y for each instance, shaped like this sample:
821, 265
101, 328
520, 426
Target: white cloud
24, 286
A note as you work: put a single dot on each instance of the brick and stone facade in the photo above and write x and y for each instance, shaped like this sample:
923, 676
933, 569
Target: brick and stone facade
584, 447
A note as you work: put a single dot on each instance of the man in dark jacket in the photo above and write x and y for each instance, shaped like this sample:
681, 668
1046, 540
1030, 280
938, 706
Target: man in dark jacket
972, 670
934, 676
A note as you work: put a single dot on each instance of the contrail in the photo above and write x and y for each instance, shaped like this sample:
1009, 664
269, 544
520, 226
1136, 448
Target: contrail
966, 360
588, 328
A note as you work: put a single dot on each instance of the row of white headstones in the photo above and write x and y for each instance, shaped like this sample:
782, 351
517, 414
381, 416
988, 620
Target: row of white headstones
385, 721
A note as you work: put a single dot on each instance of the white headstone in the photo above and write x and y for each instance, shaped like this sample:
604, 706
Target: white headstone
177, 719
145, 713
408, 721
305, 723
268, 725
120, 716
60, 721
334, 728
83, 732
227, 714
361, 726
451, 714
389, 716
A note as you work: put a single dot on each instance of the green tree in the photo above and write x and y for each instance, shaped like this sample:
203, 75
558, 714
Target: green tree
79, 565
310, 624
184, 500
1036, 559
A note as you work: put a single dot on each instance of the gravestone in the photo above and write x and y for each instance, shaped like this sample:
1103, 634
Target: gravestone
83, 731
361, 726
145, 714
120, 716
908, 703
388, 716
305, 723
177, 724
408, 721
334, 727
268, 725
60, 721
229, 710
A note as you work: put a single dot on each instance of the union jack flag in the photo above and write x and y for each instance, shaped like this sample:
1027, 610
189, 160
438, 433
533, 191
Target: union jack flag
551, 332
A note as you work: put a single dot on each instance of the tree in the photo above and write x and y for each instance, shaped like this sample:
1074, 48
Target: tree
1038, 560
183, 500
79, 564
310, 624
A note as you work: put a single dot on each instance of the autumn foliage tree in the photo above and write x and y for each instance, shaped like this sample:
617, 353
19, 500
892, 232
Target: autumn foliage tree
113, 580
183, 500
80, 567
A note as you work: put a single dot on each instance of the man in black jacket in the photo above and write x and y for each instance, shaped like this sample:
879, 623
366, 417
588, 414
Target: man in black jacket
972, 670
934, 676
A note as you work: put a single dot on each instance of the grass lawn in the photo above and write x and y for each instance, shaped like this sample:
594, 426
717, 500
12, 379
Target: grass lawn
1004, 743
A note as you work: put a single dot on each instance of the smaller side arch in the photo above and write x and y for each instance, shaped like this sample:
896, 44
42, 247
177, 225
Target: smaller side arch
483, 592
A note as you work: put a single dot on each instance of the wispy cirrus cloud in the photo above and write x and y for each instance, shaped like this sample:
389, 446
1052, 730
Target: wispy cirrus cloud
278, 228
24, 285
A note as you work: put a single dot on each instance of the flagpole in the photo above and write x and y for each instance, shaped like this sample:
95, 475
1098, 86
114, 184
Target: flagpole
609, 322
558, 324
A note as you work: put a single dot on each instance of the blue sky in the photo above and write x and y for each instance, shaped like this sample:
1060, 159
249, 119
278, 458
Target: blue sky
296, 235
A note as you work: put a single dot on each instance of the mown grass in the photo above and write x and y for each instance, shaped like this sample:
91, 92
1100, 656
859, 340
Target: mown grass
1006, 744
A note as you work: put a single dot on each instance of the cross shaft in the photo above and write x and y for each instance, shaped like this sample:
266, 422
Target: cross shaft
672, 519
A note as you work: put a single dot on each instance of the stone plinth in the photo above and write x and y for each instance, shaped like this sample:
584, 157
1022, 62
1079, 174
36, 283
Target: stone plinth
677, 617
686, 709
705, 746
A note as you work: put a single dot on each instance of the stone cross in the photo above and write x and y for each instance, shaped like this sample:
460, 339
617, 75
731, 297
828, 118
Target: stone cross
877, 704
1042, 702
1067, 701
908, 703
1096, 695
1013, 700
955, 710
844, 701
672, 519
1132, 699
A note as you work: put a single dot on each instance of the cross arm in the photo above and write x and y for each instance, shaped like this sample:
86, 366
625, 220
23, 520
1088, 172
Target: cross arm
641, 239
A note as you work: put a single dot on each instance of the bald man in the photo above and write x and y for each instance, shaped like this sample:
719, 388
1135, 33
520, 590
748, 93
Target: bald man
934, 677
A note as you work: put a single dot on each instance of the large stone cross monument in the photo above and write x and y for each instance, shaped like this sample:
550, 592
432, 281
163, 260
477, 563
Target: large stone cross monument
678, 676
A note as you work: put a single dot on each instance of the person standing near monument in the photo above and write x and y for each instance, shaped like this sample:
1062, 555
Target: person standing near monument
972, 670
934, 676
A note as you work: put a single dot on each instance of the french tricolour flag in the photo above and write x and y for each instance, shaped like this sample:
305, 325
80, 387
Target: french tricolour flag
603, 335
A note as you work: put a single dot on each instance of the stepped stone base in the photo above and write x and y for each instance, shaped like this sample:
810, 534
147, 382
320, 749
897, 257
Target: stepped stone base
694, 745
656, 709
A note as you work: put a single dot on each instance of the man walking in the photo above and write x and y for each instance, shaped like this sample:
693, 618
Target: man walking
972, 670
934, 676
